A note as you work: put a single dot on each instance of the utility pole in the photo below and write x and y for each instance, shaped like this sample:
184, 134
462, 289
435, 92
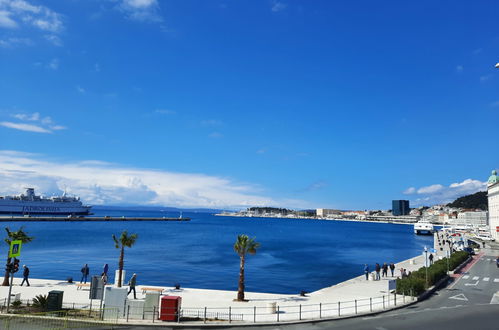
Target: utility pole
10, 268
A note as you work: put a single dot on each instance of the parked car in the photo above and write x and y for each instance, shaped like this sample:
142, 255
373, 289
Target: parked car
469, 250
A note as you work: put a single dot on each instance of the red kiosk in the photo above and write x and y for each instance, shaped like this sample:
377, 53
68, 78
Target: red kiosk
170, 307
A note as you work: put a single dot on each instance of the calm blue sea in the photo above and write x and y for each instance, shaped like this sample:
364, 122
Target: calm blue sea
294, 255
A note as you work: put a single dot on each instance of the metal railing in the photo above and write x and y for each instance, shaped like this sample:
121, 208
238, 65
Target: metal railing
273, 312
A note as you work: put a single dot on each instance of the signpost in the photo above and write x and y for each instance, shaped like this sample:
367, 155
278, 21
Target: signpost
14, 251
426, 264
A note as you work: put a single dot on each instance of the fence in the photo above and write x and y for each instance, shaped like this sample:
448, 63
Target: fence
272, 312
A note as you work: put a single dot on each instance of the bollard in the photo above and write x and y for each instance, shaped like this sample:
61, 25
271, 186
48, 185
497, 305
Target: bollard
403, 297
154, 313
355, 306
205, 315
395, 298
339, 308
320, 310
277, 313
230, 316
300, 313
383, 302
254, 314
371, 304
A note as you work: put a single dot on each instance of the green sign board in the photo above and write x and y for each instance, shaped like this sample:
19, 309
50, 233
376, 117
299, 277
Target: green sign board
15, 249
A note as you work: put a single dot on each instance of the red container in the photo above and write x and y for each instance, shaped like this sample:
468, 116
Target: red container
170, 306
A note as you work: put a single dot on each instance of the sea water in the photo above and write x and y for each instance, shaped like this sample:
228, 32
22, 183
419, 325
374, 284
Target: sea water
294, 254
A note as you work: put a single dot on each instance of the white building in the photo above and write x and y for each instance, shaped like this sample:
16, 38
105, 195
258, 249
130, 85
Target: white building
325, 212
471, 218
493, 193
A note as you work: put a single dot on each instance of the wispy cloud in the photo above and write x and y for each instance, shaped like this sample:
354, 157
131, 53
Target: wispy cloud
16, 13
141, 10
215, 135
14, 42
211, 122
53, 39
277, 6
486, 77
459, 69
318, 185
98, 182
165, 112
53, 64
437, 193
81, 90
33, 122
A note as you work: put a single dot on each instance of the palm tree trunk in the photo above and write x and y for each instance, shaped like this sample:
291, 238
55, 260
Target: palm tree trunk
240, 290
7, 275
120, 265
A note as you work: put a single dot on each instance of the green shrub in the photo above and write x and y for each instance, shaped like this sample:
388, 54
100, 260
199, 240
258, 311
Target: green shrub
410, 286
40, 301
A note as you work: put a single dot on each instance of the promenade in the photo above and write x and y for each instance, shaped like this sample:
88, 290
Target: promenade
355, 296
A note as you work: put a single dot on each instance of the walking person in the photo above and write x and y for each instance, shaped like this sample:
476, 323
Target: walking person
392, 268
366, 271
103, 277
84, 273
385, 270
377, 268
431, 258
106, 269
25, 275
132, 283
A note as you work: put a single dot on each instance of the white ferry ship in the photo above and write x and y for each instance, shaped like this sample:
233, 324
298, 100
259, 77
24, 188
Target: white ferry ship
29, 203
423, 227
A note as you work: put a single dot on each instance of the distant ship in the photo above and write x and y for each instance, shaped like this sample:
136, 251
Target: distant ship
29, 203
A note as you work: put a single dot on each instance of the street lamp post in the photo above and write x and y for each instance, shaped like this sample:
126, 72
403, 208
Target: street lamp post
426, 264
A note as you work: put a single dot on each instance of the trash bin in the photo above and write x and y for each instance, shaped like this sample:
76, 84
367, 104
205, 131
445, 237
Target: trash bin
170, 306
272, 307
54, 300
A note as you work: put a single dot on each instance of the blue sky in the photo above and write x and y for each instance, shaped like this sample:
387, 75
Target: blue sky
238, 103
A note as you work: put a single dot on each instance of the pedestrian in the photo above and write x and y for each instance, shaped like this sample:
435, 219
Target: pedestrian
366, 271
106, 268
25, 275
392, 268
377, 268
385, 270
84, 273
431, 258
131, 284
404, 273
401, 272
104, 278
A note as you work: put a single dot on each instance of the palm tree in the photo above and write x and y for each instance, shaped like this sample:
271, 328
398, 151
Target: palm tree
120, 243
244, 245
19, 235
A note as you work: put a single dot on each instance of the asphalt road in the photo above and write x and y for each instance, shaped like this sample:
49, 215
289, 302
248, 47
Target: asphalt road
464, 304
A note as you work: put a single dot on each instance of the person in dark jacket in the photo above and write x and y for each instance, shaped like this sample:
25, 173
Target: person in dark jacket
385, 270
25, 275
366, 271
84, 273
392, 268
377, 268
132, 283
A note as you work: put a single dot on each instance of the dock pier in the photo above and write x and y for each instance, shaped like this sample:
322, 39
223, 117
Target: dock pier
87, 219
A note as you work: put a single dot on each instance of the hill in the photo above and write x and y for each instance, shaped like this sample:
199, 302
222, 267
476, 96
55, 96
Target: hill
477, 200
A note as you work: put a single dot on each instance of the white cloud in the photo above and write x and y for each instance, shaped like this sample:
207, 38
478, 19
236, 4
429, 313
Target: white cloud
438, 194
410, 191
25, 127
98, 182
14, 13
485, 78
278, 6
141, 10
53, 64
40, 125
5, 20
53, 39
14, 41
80, 89
459, 69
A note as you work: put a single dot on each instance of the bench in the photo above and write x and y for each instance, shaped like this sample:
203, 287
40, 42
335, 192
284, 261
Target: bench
145, 289
82, 285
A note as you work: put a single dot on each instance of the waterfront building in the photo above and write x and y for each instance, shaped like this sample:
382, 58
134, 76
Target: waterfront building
325, 212
493, 195
474, 219
400, 207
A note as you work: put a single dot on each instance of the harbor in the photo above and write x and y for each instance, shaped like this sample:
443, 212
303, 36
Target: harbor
87, 219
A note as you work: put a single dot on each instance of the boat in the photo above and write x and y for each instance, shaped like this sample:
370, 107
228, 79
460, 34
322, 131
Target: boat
30, 204
423, 227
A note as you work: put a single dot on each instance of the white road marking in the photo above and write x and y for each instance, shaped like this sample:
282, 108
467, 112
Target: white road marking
496, 279
459, 297
471, 284
486, 279
475, 278
466, 277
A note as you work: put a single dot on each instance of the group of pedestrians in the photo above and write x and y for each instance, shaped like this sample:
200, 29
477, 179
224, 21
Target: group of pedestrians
85, 271
379, 269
